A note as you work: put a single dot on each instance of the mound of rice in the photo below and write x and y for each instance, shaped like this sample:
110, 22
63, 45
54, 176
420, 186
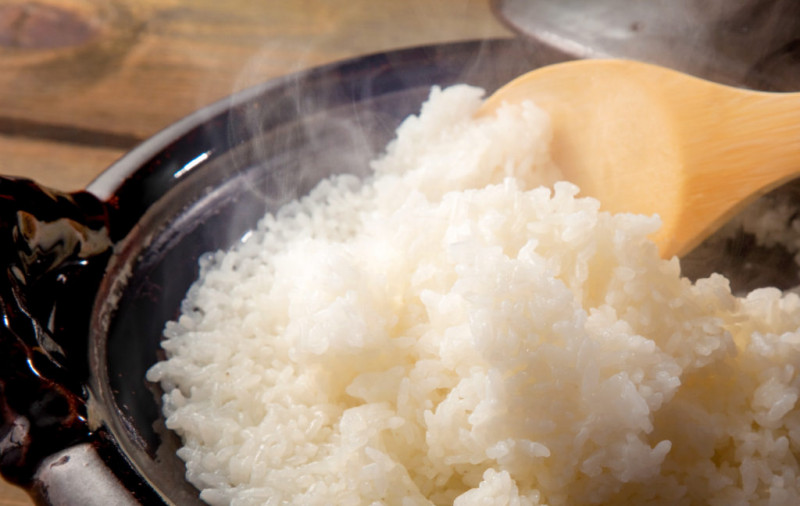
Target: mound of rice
463, 329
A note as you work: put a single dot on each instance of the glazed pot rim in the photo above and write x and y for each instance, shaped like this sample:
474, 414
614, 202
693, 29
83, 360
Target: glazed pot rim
110, 179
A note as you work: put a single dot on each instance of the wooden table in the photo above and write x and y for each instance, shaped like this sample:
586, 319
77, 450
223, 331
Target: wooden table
84, 81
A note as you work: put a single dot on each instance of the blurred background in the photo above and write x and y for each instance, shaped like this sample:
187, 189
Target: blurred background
84, 81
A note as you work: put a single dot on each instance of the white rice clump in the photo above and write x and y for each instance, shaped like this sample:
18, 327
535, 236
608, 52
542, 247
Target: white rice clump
458, 329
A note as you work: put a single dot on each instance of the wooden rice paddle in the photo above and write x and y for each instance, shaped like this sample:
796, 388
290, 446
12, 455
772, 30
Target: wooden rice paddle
645, 139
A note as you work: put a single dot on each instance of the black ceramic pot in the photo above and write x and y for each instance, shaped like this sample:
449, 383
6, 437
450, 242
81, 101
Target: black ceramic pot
90, 278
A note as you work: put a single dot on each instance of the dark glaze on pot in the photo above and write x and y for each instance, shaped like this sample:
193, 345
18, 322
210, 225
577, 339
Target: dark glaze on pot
60, 248
61, 245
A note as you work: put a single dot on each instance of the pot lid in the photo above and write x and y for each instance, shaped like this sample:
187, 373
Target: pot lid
755, 43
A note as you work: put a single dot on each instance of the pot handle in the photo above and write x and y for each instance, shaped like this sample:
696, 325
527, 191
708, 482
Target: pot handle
54, 248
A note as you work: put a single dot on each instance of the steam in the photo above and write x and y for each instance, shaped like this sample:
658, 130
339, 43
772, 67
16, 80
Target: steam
330, 132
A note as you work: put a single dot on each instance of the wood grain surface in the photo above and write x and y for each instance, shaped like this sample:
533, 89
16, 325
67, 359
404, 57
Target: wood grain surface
84, 81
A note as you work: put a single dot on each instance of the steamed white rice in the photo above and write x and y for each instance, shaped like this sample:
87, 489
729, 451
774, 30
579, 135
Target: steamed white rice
459, 330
